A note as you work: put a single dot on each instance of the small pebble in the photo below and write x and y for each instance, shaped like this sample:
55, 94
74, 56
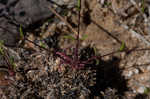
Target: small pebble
141, 90
130, 73
136, 71
82, 97
148, 68
102, 2
134, 91
123, 54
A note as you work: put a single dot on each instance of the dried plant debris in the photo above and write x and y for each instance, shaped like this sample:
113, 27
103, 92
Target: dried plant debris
43, 79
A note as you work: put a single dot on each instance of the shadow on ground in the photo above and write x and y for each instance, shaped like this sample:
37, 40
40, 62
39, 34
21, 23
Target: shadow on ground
108, 76
141, 96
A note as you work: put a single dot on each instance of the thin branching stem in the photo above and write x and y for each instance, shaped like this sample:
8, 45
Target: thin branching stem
78, 35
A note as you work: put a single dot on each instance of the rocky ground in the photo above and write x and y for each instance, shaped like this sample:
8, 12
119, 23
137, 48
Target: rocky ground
105, 24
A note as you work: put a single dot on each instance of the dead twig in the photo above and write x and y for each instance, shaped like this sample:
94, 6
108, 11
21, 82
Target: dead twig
62, 19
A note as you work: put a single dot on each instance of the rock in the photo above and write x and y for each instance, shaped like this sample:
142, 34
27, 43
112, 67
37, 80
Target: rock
68, 3
14, 13
8, 32
130, 73
148, 68
27, 12
141, 90
136, 71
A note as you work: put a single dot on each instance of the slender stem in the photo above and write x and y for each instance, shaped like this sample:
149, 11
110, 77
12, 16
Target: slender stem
78, 33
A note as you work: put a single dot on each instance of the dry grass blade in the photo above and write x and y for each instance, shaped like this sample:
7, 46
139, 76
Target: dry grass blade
62, 19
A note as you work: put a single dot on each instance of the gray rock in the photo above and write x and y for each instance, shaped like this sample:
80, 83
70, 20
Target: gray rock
27, 12
8, 32
68, 3
14, 13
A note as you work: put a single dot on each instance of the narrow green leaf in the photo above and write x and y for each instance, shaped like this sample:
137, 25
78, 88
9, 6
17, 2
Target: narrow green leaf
147, 90
21, 32
69, 37
12, 62
97, 61
1, 51
122, 47
84, 37
143, 6
143, 9
49, 20
107, 3
11, 59
1, 42
95, 50
79, 4
1, 47
14, 65
42, 45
